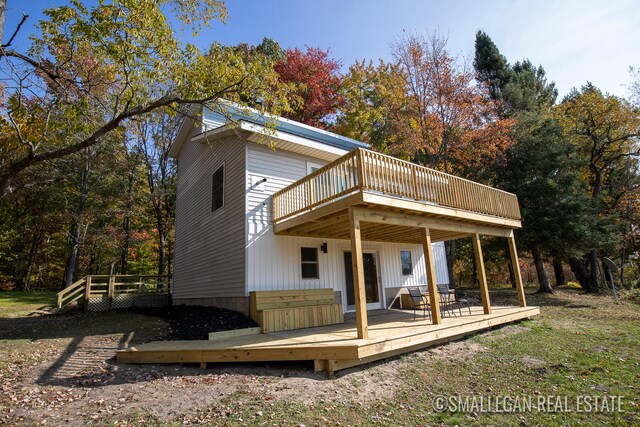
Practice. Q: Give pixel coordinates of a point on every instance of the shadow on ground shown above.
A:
(91, 340)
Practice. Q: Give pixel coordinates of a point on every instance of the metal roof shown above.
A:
(236, 113)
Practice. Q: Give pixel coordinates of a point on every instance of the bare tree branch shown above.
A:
(15, 33)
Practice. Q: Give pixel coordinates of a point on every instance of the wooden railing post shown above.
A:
(110, 290)
(361, 166)
(275, 212)
(87, 293)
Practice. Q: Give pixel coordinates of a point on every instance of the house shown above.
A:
(225, 245)
(285, 232)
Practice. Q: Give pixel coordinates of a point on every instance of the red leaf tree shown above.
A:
(318, 81)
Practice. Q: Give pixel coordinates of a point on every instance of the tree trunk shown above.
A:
(624, 255)
(169, 259)
(3, 8)
(592, 286)
(93, 260)
(450, 251)
(558, 271)
(580, 271)
(35, 245)
(543, 279)
(124, 255)
(474, 276)
(76, 228)
(512, 275)
(161, 252)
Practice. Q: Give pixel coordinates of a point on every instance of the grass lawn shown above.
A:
(16, 304)
(580, 345)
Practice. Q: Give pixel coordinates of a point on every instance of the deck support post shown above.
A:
(482, 275)
(516, 270)
(434, 302)
(357, 265)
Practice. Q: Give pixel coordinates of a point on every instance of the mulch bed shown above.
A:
(194, 322)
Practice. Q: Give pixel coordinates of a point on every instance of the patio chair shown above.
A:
(449, 301)
(419, 302)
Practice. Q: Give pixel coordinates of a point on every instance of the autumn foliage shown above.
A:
(450, 122)
(317, 77)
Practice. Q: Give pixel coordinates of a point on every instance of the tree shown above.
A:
(95, 68)
(373, 104)
(634, 88)
(527, 98)
(491, 66)
(543, 171)
(317, 79)
(605, 131)
(153, 139)
(450, 124)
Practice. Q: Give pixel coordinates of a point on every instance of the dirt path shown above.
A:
(84, 384)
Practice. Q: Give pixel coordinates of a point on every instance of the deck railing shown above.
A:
(367, 170)
(111, 286)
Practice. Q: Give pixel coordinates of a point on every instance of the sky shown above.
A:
(574, 40)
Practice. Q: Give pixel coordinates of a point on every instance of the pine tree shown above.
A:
(538, 167)
(491, 66)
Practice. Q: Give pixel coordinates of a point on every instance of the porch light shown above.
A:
(323, 248)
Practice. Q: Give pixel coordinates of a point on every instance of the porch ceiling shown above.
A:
(390, 219)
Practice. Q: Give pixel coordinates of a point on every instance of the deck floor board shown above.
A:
(333, 347)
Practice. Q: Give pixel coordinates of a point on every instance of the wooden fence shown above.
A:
(104, 292)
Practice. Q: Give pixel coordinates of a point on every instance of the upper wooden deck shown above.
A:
(395, 194)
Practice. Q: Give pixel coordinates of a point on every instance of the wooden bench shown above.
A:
(301, 308)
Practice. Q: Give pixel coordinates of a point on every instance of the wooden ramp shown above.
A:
(332, 348)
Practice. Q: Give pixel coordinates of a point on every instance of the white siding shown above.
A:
(209, 256)
(273, 262)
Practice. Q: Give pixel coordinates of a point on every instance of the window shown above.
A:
(407, 265)
(312, 167)
(217, 189)
(309, 257)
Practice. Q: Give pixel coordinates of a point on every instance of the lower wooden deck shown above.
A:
(332, 348)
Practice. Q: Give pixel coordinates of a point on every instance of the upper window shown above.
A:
(217, 189)
(312, 167)
(309, 257)
(407, 264)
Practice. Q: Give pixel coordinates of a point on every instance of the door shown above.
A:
(371, 282)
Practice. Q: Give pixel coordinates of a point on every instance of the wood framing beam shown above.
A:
(482, 275)
(444, 211)
(409, 220)
(516, 271)
(318, 212)
(380, 232)
(319, 225)
(443, 237)
(431, 277)
(357, 265)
